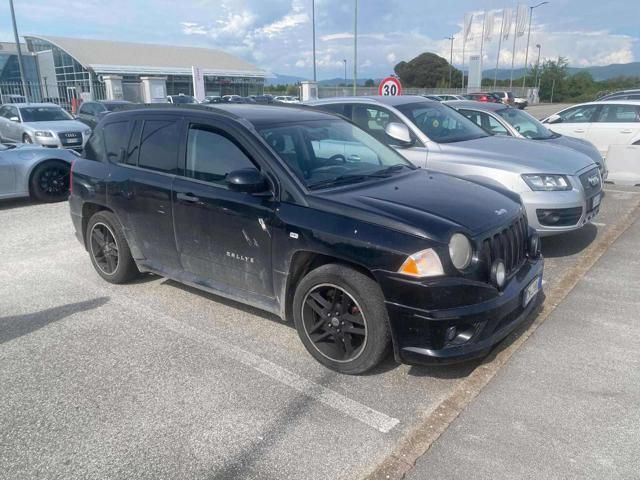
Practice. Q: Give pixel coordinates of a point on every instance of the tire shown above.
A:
(49, 181)
(114, 266)
(360, 308)
(26, 139)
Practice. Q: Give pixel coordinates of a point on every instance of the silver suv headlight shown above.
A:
(425, 263)
(460, 251)
(43, 133)
(547, 182)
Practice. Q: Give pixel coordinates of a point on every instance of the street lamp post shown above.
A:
(20, 62)
(355, 49)
(451, 38)
(313, 27)
(535, 83)
(526, 53)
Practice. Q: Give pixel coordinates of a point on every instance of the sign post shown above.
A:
(390, 87)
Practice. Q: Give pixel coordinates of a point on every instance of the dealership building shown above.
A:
(59, 68)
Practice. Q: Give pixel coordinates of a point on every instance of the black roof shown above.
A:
(254, 113)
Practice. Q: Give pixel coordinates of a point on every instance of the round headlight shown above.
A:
(498, 274)
(460, 251)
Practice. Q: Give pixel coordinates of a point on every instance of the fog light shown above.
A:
(451, 333)
(534, 245)
(498, 274)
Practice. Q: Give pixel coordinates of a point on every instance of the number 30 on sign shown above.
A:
(390, 87)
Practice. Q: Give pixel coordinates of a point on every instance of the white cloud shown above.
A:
(391, 57)
(287, 22)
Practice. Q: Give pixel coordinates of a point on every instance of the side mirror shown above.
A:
(248, 180)
(554, 119)
(400, 133)
(14, 119)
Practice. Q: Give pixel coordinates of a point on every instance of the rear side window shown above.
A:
(159, 146)
(333, 108)
(116, 136)
(211, 156)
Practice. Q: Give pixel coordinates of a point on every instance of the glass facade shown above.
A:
(10, 69)
(68, 71)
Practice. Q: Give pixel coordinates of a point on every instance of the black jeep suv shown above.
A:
(303, 214)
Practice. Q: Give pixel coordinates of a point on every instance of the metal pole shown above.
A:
(464, 44)
(355, 48)
(535, 83)
(495, 76)
(513, 53)
(20, 63)
(484, 23)
(313, 23)
(450, 59)
(526, 52)
(345, 72)
(553, 86)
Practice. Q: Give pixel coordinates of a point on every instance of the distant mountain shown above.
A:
(598, 73)
(292, 80)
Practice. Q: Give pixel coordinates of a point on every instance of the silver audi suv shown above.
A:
(560, 188)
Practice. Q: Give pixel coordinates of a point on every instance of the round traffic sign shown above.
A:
(390, 87)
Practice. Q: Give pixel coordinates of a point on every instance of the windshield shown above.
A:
(524, 123)
(328, 152)
(44, 114)
(441, 123)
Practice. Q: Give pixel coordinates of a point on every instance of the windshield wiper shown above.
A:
(344, 179)
(394, 168)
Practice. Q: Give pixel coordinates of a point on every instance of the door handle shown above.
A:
(355, 158)
(579, 130)
(187, 197)
(626, 130)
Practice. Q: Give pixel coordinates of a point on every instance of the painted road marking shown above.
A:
(356, 410)
(621, 191)
(599, 224)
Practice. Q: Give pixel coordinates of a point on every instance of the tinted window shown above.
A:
(334, 108)
(374, 120)
(619, 114)
(159, 145)
(116, 136)
(440, 123)
(94, 149)
(524, 123)
(581, 114)
(211, 156)
(86, 109)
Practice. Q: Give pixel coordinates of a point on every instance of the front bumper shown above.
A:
(579, 209)
(423, 313)
(55, 142)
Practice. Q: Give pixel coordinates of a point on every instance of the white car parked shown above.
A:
(285, 99)
(603, 123)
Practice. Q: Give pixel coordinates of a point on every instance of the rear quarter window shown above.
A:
(94, 149)
(159, 146)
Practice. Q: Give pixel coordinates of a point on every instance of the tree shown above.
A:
(370, 83)
(427, 70)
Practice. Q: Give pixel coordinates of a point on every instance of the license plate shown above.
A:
(596, 201)
(73, 140)
(531, 291)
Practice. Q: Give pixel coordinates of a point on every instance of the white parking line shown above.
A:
(356, 410)
(621, 191)
(353, 409)
(597, 224)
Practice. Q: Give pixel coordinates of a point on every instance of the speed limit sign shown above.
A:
(390, 87)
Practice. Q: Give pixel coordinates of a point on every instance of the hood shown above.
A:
(426, 204)
(517, 154)
(578, 144)
(57, 126)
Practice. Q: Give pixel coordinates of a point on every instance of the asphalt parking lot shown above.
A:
(157, 380)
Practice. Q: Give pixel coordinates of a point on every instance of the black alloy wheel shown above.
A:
(50, 181)
(334, 323)
(104, 248)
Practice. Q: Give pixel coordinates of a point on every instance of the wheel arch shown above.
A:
(304, 261)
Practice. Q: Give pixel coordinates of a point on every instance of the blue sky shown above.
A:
(276, 34)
